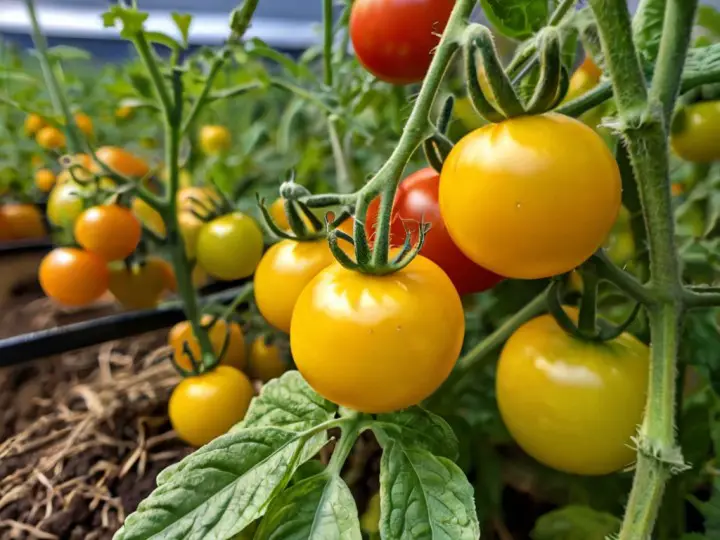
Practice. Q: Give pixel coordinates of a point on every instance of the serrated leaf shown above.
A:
(318, 508)
(67, 53)
(647, 27)
(575, 523)
(424, 497)
(419, 428)
(518, 19)
(220, 489)
(289, 403)
(182, 21)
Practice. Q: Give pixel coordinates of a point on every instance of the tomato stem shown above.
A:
(344, 446)
(643, 124)
(327, 42)
(588, 304)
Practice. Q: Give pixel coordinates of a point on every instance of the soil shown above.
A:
(82, 435)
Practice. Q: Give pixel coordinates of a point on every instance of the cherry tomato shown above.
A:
(197, 198)
(5, 233)
(377, 343)
(266, 361)
(85, 124)
(122, 161)
(110, 231)
(572, 405)
(284, 271)
(214, 139)
(190, 227)
(530, 197)
(234, 355)
(65, 204)
(206, 406)
(229, 247)
(73, 277)
(416, 201)
(82, 175)
(33, 124)
(149, 217)
(44, 180)
(124, 112)
(23, 220)
(141, 286)
(695, 132)
(586, 77)
(50, 138)
(394, 39)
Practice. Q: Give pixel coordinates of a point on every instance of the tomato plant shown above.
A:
(73, 277)
(230, 247)
(265, 360)
(140, 286)
(214, 139)
(44, 179)
(220, 333)
(111, 231)
(694, 130)
(23, 220)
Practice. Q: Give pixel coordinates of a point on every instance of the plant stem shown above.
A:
(327, 42)
(350, 433)
(242, 296)
(56, 95)
(343, 181)
(203, 97)
(642, 124)
(588, 304)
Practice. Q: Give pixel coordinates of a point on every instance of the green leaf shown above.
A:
(220, 489)
(708, 17)
(182, 21)
(702, 60)
(318, 508)
(518, 19)
(647, 27)
(130, 19)
(142, 85)
(67, 53)
(711, 511)
(700, 344)
(418, 428)
(18, 76)
(424, 497)
(575, 523)
(163, 39)
(288, 402)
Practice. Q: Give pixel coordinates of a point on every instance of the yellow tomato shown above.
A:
(229, 247)
(572, 405)
(83, 174)
(185, 179)
(696, 131)
(50, 138)
(284, 271)
(197, 198)
(377, 343)
(266, 361)
(204, 407)
(33, 124)
(44, 180)
(122, 161)
(190, 227)
(141, 286)
(530, 197)
(585, 78)
(234, 355)
(124, 112)
(214, 139)
(65, 204)
(149, 217)
(85, 124)
(23, 220)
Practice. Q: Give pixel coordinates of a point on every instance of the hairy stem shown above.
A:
(327, 42)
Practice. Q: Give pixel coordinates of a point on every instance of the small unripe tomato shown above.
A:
(23, 220)
(518, 202)
(84, 122)
(214, 139)
(695, 132)
(282, 274)
(65, 204)
(44, 180)
(50, 138)
(206, 406)
(266, 361)
(73, 277)
(33, 124)
(122, 161)
(230, 246)
(182, 333)
(377, 343)
(110, 231)
(573, 405)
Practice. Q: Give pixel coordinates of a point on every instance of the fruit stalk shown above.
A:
(642, 123)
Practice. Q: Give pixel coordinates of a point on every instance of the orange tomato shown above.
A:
(44, 180)
(110, 231)
(73, 277)
(50, 138)
(234, 354)
(23, 221)
(33, 124)
(84, 122)
(122, 161)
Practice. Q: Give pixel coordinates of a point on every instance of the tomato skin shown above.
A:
(64, 204)
(141, 286)
(517, 202)
(44, 180)
(214, 139)
(235, 355)
(586, 77)
(50, 138)
(394, 39)
(416, 200)
(149, 217)
(572, 405)
(205, 196)
(266, 361)
(206, 406)
(229, 247)
(695, 132)
(282, 274)
(190, 227)
(110, 231)
(377, 343)
(23, 220)
(33, 124)
(121, 161)
(84, 123)
(73, 277)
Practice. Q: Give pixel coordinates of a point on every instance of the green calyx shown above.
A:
(492, 91)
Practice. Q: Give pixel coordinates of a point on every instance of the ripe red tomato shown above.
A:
(416, 201)
(73, 277)
(394, 39)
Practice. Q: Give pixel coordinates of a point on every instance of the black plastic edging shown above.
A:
(12, 248)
